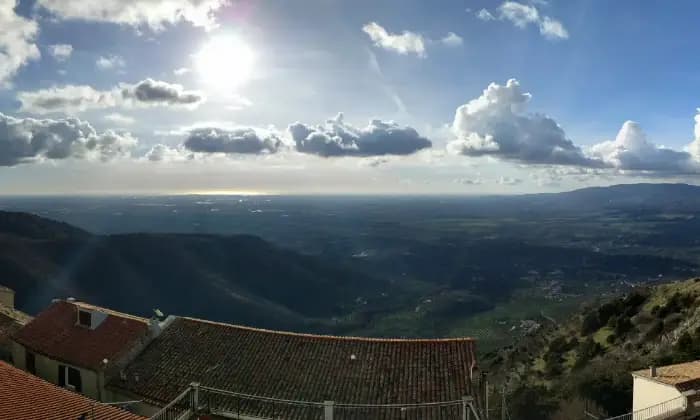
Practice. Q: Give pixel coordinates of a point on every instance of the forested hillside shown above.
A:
(240, 278)
(590, 357)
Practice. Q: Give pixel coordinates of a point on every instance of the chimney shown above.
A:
(7, 297)
(652, 371)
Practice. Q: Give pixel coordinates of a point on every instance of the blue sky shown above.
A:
(467, 97)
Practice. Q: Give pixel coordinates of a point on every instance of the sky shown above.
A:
(346, 97)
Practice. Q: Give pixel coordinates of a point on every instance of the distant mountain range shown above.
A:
(240, 279)
(623, 197)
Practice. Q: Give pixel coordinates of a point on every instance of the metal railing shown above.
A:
(664, 410)
(181, 408)
(198, 399)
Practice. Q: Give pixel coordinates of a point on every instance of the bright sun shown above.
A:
(225, 61)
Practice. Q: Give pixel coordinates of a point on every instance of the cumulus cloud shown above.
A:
(407, 42)
(452, 40)
(632, 151)
(523, 15)
(26, 140)
(694, 147)
(404, 43)
(337, 138)
(110, 62)
(60, 52)
(72, 98)
(157, 92)
(17, 45)
(497, 124)
(164, 153)
(155, 14)
(236, 141)
(519, 14)
(66, 99)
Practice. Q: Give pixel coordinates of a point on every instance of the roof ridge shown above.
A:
(332, 337)
(105, 310)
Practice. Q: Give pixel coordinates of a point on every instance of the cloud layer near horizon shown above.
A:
(26, 140)
(497, 123)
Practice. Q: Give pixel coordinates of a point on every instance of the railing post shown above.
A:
(195, 397)
(328, 410)
(466, 415)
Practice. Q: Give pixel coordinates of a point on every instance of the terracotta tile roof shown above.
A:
(299, 366)
(26, 397)
(683, 376)
(54, 333)
(11, 320)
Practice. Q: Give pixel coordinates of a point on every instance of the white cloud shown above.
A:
(694, 147)
(519, 14)
(510, 181)
(523, 15)
(60, 52)
(497, 124)
(405, 43)
(26, 140)
(182, 71)
(237, 141)
(155, 14)
(110, 62)
(337, 138)
(17, 45)
(632, 151)
(452, 40)
(485, 15)
(165, 153)
(66, 99)
(119, 119)
(72, 98)
(553, 29)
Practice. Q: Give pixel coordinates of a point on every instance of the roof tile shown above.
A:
(299, 366)
(54, 333)
(26, 397)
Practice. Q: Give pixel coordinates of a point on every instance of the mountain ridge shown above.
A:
(239, 278)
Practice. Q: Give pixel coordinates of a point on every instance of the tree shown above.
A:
(590, 323)
(587, 350)
(534, 402)
(609, 385)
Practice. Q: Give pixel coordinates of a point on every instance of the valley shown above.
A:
(492, 267)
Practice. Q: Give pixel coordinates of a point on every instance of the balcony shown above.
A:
(199, 401)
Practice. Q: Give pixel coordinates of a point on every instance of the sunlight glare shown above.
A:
(225, 61)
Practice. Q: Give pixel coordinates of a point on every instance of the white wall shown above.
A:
(648, 393)
(47, 369)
